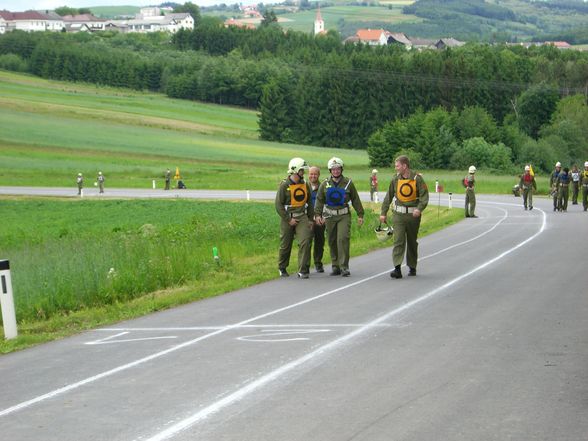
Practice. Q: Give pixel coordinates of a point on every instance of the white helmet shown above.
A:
(472, 169)
(99, 173)
(296, 164)
(527, 168)
(384, 232)
(374, 171)
(79, 174)
(558, 164)
(586, 164)
(335, 162)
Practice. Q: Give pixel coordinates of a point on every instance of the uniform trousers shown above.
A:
(304, 235)
(339, 233)
(470, 202)
(528, 197)
(406, 230)
(563, 195)
(318, 244)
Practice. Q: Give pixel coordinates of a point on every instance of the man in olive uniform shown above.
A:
(80, 182)
(584, 181)
(411, 196)
(553, 183)
(100, 179)
(332, 208)
(294, 207)
(563, 189)
(529, 186)
(470, 196)
(575, 173)
(167, 179)
(318, 242)
(374, 185)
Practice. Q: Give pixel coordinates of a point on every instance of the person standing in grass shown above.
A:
(411, 196)
(100, 180)
(318, 241)
(528, 184)
(80, 182)
(294, 206)
(332, 209)
(470, 197)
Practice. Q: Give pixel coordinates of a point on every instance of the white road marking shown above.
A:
(108, 373)
(263, 337)
(106, 341)
(208, 328)
(274, 375)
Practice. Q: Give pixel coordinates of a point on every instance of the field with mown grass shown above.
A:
(77, 264)
(52, 130)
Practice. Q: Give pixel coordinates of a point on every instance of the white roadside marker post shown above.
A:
(7, 301)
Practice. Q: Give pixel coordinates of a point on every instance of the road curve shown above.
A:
(488, 342)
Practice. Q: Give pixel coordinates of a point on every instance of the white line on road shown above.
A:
(274, 375)
(156, 355)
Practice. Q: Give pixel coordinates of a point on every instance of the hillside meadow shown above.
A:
(52, 130)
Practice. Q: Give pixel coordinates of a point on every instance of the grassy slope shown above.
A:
(50, 131)
(304, 21)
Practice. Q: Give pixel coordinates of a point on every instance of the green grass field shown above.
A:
(304, 21)
(77, 264)
(50, 131)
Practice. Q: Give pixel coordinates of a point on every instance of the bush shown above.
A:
(13, 62)
(478, 152)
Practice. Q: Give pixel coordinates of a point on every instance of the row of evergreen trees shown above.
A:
(310, 90)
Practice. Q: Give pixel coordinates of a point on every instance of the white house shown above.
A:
(29, 21)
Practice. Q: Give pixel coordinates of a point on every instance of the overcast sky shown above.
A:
(23, 5)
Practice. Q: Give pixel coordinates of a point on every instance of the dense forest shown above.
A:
(322, 92)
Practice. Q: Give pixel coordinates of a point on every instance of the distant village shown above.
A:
(162, 19)
(148, 20)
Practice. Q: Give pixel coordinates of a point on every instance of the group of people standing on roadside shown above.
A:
(308, 210)
(560, 182)
(99, 182)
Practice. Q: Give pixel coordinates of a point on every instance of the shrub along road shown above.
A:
(487, 342)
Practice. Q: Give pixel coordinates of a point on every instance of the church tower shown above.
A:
(319, 23)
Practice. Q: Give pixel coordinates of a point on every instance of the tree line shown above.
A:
(316, 90)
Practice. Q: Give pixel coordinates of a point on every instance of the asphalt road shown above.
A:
(488, 342)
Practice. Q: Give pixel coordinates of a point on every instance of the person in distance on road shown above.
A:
(584, 181)
(167, 178)
(332, 209)
(528, 184)
(80, 182)
(294, 206)
(563, 189)
(318, 240)
(470, 197)
(100, 179)
(374, 185)
(411, 196)
(553, 183)
(575, 174)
